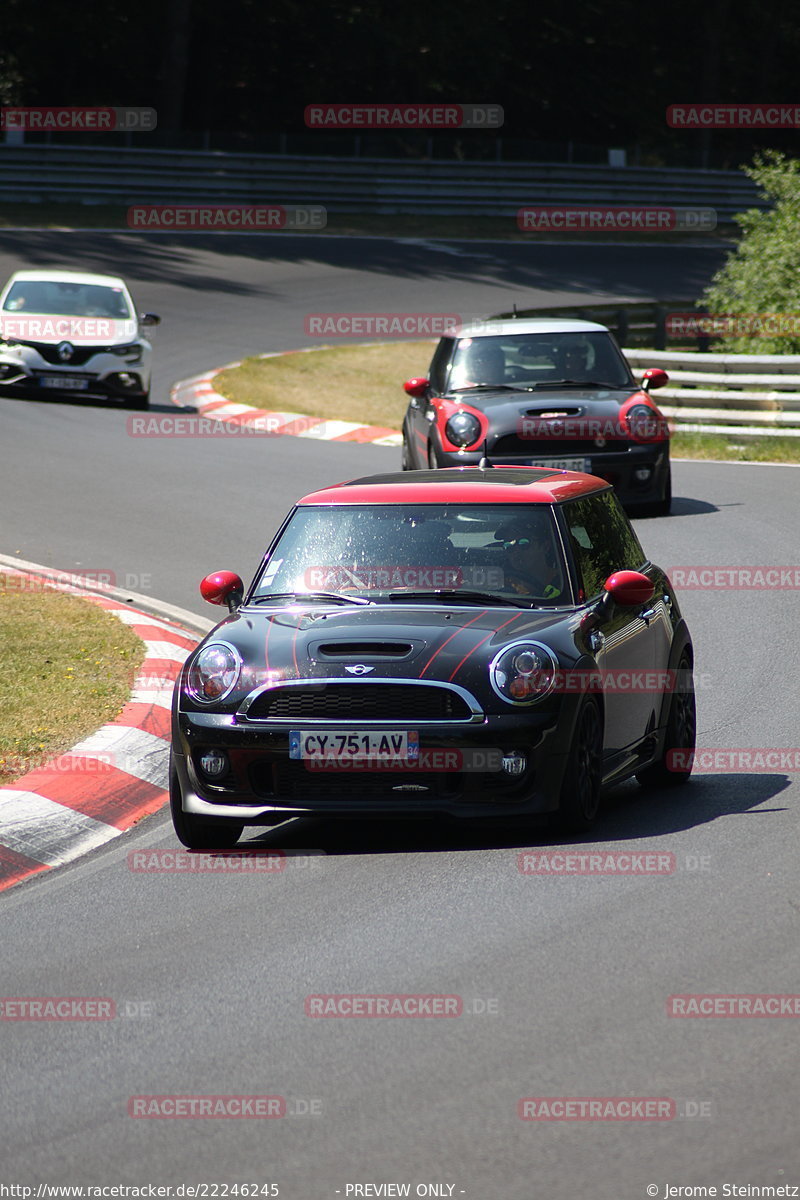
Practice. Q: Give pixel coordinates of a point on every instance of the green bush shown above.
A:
(762, 275)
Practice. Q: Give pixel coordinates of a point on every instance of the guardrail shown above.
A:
(712, 393)
(128, 175)
(750, 393)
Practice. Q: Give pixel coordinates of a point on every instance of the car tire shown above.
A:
(659, 508)
(680, 734)
(579, 802)
(405, 458)
(433, 462)
(193, 832)
(137, 403)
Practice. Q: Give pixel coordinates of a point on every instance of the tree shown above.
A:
(761, 277)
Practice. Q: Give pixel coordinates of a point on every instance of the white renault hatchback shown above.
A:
(70, 333)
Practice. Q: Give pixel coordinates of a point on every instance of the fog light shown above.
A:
(126, 380)
(514, 764)
(642, 474)
(214, 763)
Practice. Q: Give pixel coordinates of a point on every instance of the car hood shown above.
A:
(424, 641)
(502, 406)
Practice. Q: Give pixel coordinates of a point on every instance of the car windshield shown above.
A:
(528, 359)
(59, 297)
(512, 552)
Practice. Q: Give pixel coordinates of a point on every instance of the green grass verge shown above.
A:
(736, 447)
(68, 667)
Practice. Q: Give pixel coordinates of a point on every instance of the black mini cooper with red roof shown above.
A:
(473, 642)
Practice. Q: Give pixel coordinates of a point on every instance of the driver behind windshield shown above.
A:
(480, 361)
(531, 566)
(575, 361)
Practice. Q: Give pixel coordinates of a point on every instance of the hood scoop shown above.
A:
(553, 414)
(364, 650)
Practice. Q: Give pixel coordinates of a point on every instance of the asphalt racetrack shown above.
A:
(564, 980)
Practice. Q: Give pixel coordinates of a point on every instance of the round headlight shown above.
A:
(463, 428)
(645, 424)
(214, 673)
(523, 673)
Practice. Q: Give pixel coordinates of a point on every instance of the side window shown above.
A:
(438, 368)
(602, 540)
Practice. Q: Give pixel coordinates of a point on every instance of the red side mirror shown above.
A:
(416, 386)
(221, 587)
(654, 378)
(629, 588)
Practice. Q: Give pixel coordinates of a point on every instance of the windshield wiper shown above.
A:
(495, 387)
(454, 594)
(299, 597)
(603, 383)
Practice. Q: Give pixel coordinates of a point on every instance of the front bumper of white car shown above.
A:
(121, 372)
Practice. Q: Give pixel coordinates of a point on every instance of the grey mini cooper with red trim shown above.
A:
(472, 642)
(541, 392)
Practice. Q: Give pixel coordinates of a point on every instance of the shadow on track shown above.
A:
(629, 813)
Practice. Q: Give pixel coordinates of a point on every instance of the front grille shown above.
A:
(291, 781)
(80, 355)
(356, 703)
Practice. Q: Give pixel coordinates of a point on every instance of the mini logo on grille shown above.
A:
(65, 351)
(359, 669)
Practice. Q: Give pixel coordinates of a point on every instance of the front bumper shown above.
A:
(617, 467)
(264, 782)
(102, 376)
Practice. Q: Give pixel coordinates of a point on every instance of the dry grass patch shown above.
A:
(342, 383)
(68, 667)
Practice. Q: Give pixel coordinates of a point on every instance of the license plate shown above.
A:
(350, 745)
(563, 464)
(64, 381)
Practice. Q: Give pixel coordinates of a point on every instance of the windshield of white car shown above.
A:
(376, 552)
(58, 297)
